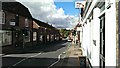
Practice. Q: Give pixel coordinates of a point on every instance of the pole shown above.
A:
(23, 41)
(79, 32)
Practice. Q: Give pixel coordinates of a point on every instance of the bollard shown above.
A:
(82, 61)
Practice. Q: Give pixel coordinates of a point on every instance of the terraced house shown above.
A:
(44, 33)
(21, 30)
(16, 25)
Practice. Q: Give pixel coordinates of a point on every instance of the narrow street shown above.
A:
(38, 57)
(60, 33)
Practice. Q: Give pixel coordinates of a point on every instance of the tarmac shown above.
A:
(73, 54)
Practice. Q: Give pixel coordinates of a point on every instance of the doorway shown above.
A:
(102, 41)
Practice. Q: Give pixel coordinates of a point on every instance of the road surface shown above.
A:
(48, 56)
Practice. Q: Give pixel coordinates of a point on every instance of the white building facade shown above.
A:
(99, 32)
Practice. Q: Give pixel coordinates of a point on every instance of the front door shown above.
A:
(102, 41)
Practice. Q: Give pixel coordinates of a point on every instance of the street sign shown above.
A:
(12, 22)
(79, 28)
(79, 5)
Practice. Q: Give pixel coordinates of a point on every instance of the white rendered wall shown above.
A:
(96, 37)
(88, 37)
(88, 40)
(110, 35)
(84, 45)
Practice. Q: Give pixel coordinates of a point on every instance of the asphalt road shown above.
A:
(48, 56)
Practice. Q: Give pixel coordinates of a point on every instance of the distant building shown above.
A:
(44, 33)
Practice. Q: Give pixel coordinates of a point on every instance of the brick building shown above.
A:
(45, 33)
(16, 25)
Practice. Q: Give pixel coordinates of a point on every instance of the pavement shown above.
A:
(74, 52)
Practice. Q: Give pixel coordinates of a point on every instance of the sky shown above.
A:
(59, 14)
(68, 7)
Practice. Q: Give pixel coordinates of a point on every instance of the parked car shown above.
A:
(69, 40)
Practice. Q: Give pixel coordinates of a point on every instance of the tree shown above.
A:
(64, 32)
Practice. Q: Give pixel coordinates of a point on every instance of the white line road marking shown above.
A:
(19, 62)
(56, 61)
(59, 57)
(26, 59)
(1, 54)
(35, 55)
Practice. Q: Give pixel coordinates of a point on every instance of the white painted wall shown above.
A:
(96, 37)
(84, 45)
(110, 35)
(92, 32)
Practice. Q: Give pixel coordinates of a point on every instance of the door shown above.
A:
(102, 41)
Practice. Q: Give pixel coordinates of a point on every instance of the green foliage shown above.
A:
(64, 32)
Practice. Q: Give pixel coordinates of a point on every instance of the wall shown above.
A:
(91, 35)
(110, 35)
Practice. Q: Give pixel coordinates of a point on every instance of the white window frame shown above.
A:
(41, 38)
(2, 17)
(6, 37)
(26, 22)
(27, 38)
(34, 36)
(48, 38)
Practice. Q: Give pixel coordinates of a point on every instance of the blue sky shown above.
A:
(68, 7)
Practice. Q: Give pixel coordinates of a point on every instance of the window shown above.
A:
(17, 19)
(5, 37)
(41, 38)
(48, 37)
(101, 5)
(102, 8)
(34, 36)
(52, 37)
(2, 17)
(27, 37)
(26, 23)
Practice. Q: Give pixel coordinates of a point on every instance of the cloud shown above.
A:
(46, 11)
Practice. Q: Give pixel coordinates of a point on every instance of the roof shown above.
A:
(40, 23)
(17, 8)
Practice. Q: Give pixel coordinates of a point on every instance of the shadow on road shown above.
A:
(40, 63)
(35, 49)
(35, 62)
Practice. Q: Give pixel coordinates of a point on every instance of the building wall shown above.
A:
(118, 51)
(110, 35)
(96, 36)
(16, 30)
(91, 34)
(21, 21)
(8, 17)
